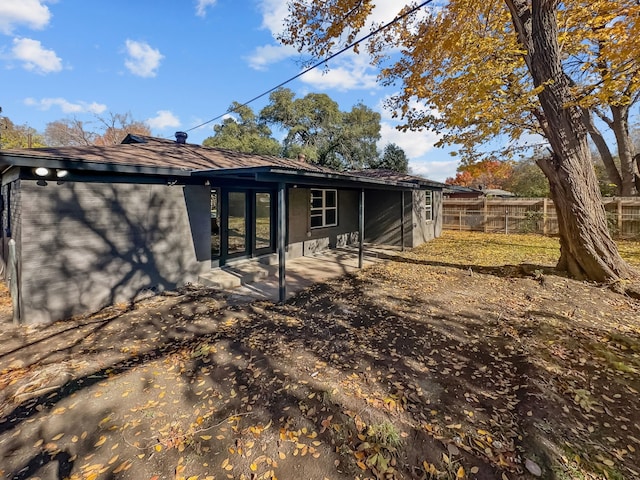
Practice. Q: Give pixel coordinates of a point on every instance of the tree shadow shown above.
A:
(111, 243)
(340, 349)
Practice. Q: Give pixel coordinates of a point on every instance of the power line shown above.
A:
(316, 65)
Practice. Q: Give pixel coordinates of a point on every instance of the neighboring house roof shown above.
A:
(453, 189)
(155, 156)
(385, 174)
(497, 192)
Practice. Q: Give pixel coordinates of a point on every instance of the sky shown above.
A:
(175, 65)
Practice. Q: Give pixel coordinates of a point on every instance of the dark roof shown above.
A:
(392, 175)
(461, 189)
(144, 155)
(159, 153)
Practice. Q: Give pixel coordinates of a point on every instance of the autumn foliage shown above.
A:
(483, 174)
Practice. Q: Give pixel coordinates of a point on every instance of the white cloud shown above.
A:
(201, 7)
(163, 119)
(414, 144)
(31, 13)
(340, 78)
(274, 13)
(437, 170)
(266, 55)
(35, 57)
(143, 60)
(65, 105)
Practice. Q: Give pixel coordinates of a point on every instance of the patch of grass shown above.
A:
(491, 249)
(385, 434)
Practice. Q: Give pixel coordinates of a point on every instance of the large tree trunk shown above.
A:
(603, 150)
(587, 249)
(628, 167)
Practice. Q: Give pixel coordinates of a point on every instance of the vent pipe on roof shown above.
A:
(302, 157)
(181, 137)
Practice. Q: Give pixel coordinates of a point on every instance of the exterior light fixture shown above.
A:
(41, 171)
(62, 173)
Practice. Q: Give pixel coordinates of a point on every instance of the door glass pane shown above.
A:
(237, 232)
(263, 220)
(215, 223)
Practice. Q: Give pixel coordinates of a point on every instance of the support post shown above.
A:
(281, 237)
(620, 217)
(545, 206)
(485, 211)
(402, 229)
(361, 231)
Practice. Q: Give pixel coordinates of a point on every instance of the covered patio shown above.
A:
(251, 280)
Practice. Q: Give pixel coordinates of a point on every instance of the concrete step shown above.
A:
(234, 276)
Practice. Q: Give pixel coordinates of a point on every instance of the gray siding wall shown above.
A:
(89, 245)
(10, 220)
(303, 240)
(424, 230)
(383, 217)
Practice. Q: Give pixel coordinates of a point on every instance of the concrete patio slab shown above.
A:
(251, 280)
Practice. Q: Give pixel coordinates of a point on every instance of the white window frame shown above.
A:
(323, 209)
(428, 205)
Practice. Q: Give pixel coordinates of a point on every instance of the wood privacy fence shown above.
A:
(533, 215)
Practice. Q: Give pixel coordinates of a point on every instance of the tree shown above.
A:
(111, 130)
(527, 180)
(116, 126)
(244, 132)
(317, 128)
(487, 173)
(497, 68)
(393, 158)
(68, 132)
(18, 136)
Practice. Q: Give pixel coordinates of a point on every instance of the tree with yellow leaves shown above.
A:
(505, 67)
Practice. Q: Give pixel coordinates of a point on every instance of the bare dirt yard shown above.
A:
(468, 357)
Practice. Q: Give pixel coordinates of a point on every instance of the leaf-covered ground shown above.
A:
(465, 358)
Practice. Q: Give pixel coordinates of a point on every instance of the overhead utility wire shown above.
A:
(316, 65)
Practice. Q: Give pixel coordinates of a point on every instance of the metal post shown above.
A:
(282, 229)
(402, 207)
(361, 231)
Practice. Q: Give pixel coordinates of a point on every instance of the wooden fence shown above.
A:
(533, 215)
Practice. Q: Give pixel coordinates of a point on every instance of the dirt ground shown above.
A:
(468, 357)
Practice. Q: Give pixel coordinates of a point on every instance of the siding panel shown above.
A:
(88, 245)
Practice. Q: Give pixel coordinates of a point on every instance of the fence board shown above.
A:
(533, 215)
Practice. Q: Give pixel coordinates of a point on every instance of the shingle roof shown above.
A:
(154, 152)
(392, 175)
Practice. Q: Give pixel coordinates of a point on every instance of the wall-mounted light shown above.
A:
(62, 173)
(41, 171)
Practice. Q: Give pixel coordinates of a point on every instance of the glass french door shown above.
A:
(237, 231)
(248, 224)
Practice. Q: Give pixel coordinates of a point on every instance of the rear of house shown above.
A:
(87, 227)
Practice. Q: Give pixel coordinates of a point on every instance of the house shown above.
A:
(457, 191)
(86, 227)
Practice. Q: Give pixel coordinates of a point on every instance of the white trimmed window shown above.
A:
(428, 205)
(324, 208)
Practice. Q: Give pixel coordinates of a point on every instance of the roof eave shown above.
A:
(31, 161)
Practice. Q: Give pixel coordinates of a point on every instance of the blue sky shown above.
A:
(174, 65)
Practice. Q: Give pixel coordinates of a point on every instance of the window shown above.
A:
(324, 208)
(428, 205)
